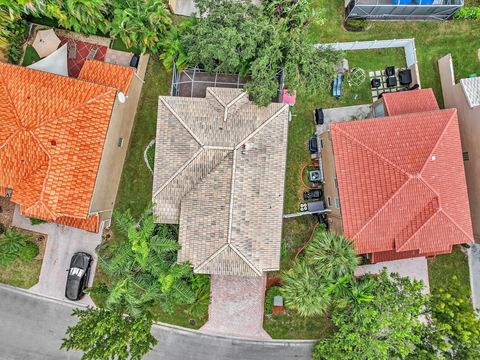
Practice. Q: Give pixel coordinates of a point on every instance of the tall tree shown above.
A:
(259, 41)
(453, 330)
(324, 275)
(86, 16)
(387, 327)
(109, 335)
(144, 268)
(141, 23)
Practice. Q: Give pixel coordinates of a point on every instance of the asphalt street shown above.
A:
(32, 326)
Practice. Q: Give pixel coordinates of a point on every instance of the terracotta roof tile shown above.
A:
(407, 102)
(51, 140)
(402, 183)
(107, 74)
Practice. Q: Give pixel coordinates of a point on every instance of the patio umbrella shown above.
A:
(46, 42)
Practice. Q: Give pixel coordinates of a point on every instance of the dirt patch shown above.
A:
(7, 209)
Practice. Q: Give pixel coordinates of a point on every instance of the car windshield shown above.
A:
(74, 271)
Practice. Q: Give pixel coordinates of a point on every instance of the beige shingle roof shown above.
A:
(471, 88)
(219, 173)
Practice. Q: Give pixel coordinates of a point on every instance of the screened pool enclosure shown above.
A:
(401, 9)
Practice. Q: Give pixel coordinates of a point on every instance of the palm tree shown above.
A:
(323, 277)
(141, 23)
(305, 291)
(332, 255)
(86, 16)
(144, 268)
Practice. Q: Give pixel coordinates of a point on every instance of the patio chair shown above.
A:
(72, 49)
(337, 86)
(405, 77)
(92, 53)
(390, 71)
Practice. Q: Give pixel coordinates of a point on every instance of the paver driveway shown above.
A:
(236, 307)
(62, 243)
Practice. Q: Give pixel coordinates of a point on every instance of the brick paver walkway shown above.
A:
(236, 307)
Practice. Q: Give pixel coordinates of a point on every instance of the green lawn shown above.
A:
(443, 267)
(289, 325)
(432, 39)
(31, 56)
(21, 273)
(135, 191)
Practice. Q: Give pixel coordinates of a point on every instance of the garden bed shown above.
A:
(21, 273)
(135, 191)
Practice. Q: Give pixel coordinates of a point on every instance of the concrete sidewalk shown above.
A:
(474, 267)
(62, 243)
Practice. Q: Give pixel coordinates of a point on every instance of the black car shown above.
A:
(78, 275)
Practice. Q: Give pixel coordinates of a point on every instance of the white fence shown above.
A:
(407, 44)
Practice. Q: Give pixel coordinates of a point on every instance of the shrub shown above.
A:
(16, 33)
(2, 229)
(271, 293)
(472, 12)
(356, 25)
(29, 251)
(34, 221)
(14, 245)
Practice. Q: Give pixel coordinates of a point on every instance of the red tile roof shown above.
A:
(51, 140)
(107, 74)
(407, 102)
(402, 183)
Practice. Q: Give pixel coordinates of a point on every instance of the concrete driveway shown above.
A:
(414, 268)
(62, 243)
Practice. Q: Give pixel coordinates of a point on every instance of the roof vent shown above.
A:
(433, 157)
(53, 142)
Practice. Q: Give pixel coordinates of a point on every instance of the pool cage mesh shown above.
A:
(193, 82)
(402, 9)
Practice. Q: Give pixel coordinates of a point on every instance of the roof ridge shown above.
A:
(374, 152)
(174, 113)
(453, 113)
(213, 256)
(416, 232)
(17, 118)
(236, 251)
(454, 222)
(74, 108)
(265, 123)
(382, 207)
(179, 170)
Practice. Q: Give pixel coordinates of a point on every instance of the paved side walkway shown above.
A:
(62, 243)
(474, 265)
(236, 307)
(414, 268)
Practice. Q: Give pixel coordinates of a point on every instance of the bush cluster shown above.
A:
(356, 25)
(15, 245)
(468, 12)
(17, 33)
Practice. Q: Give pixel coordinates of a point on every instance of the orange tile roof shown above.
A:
(51, 140)
(402, 183)
(107, 74)
(408, 102)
